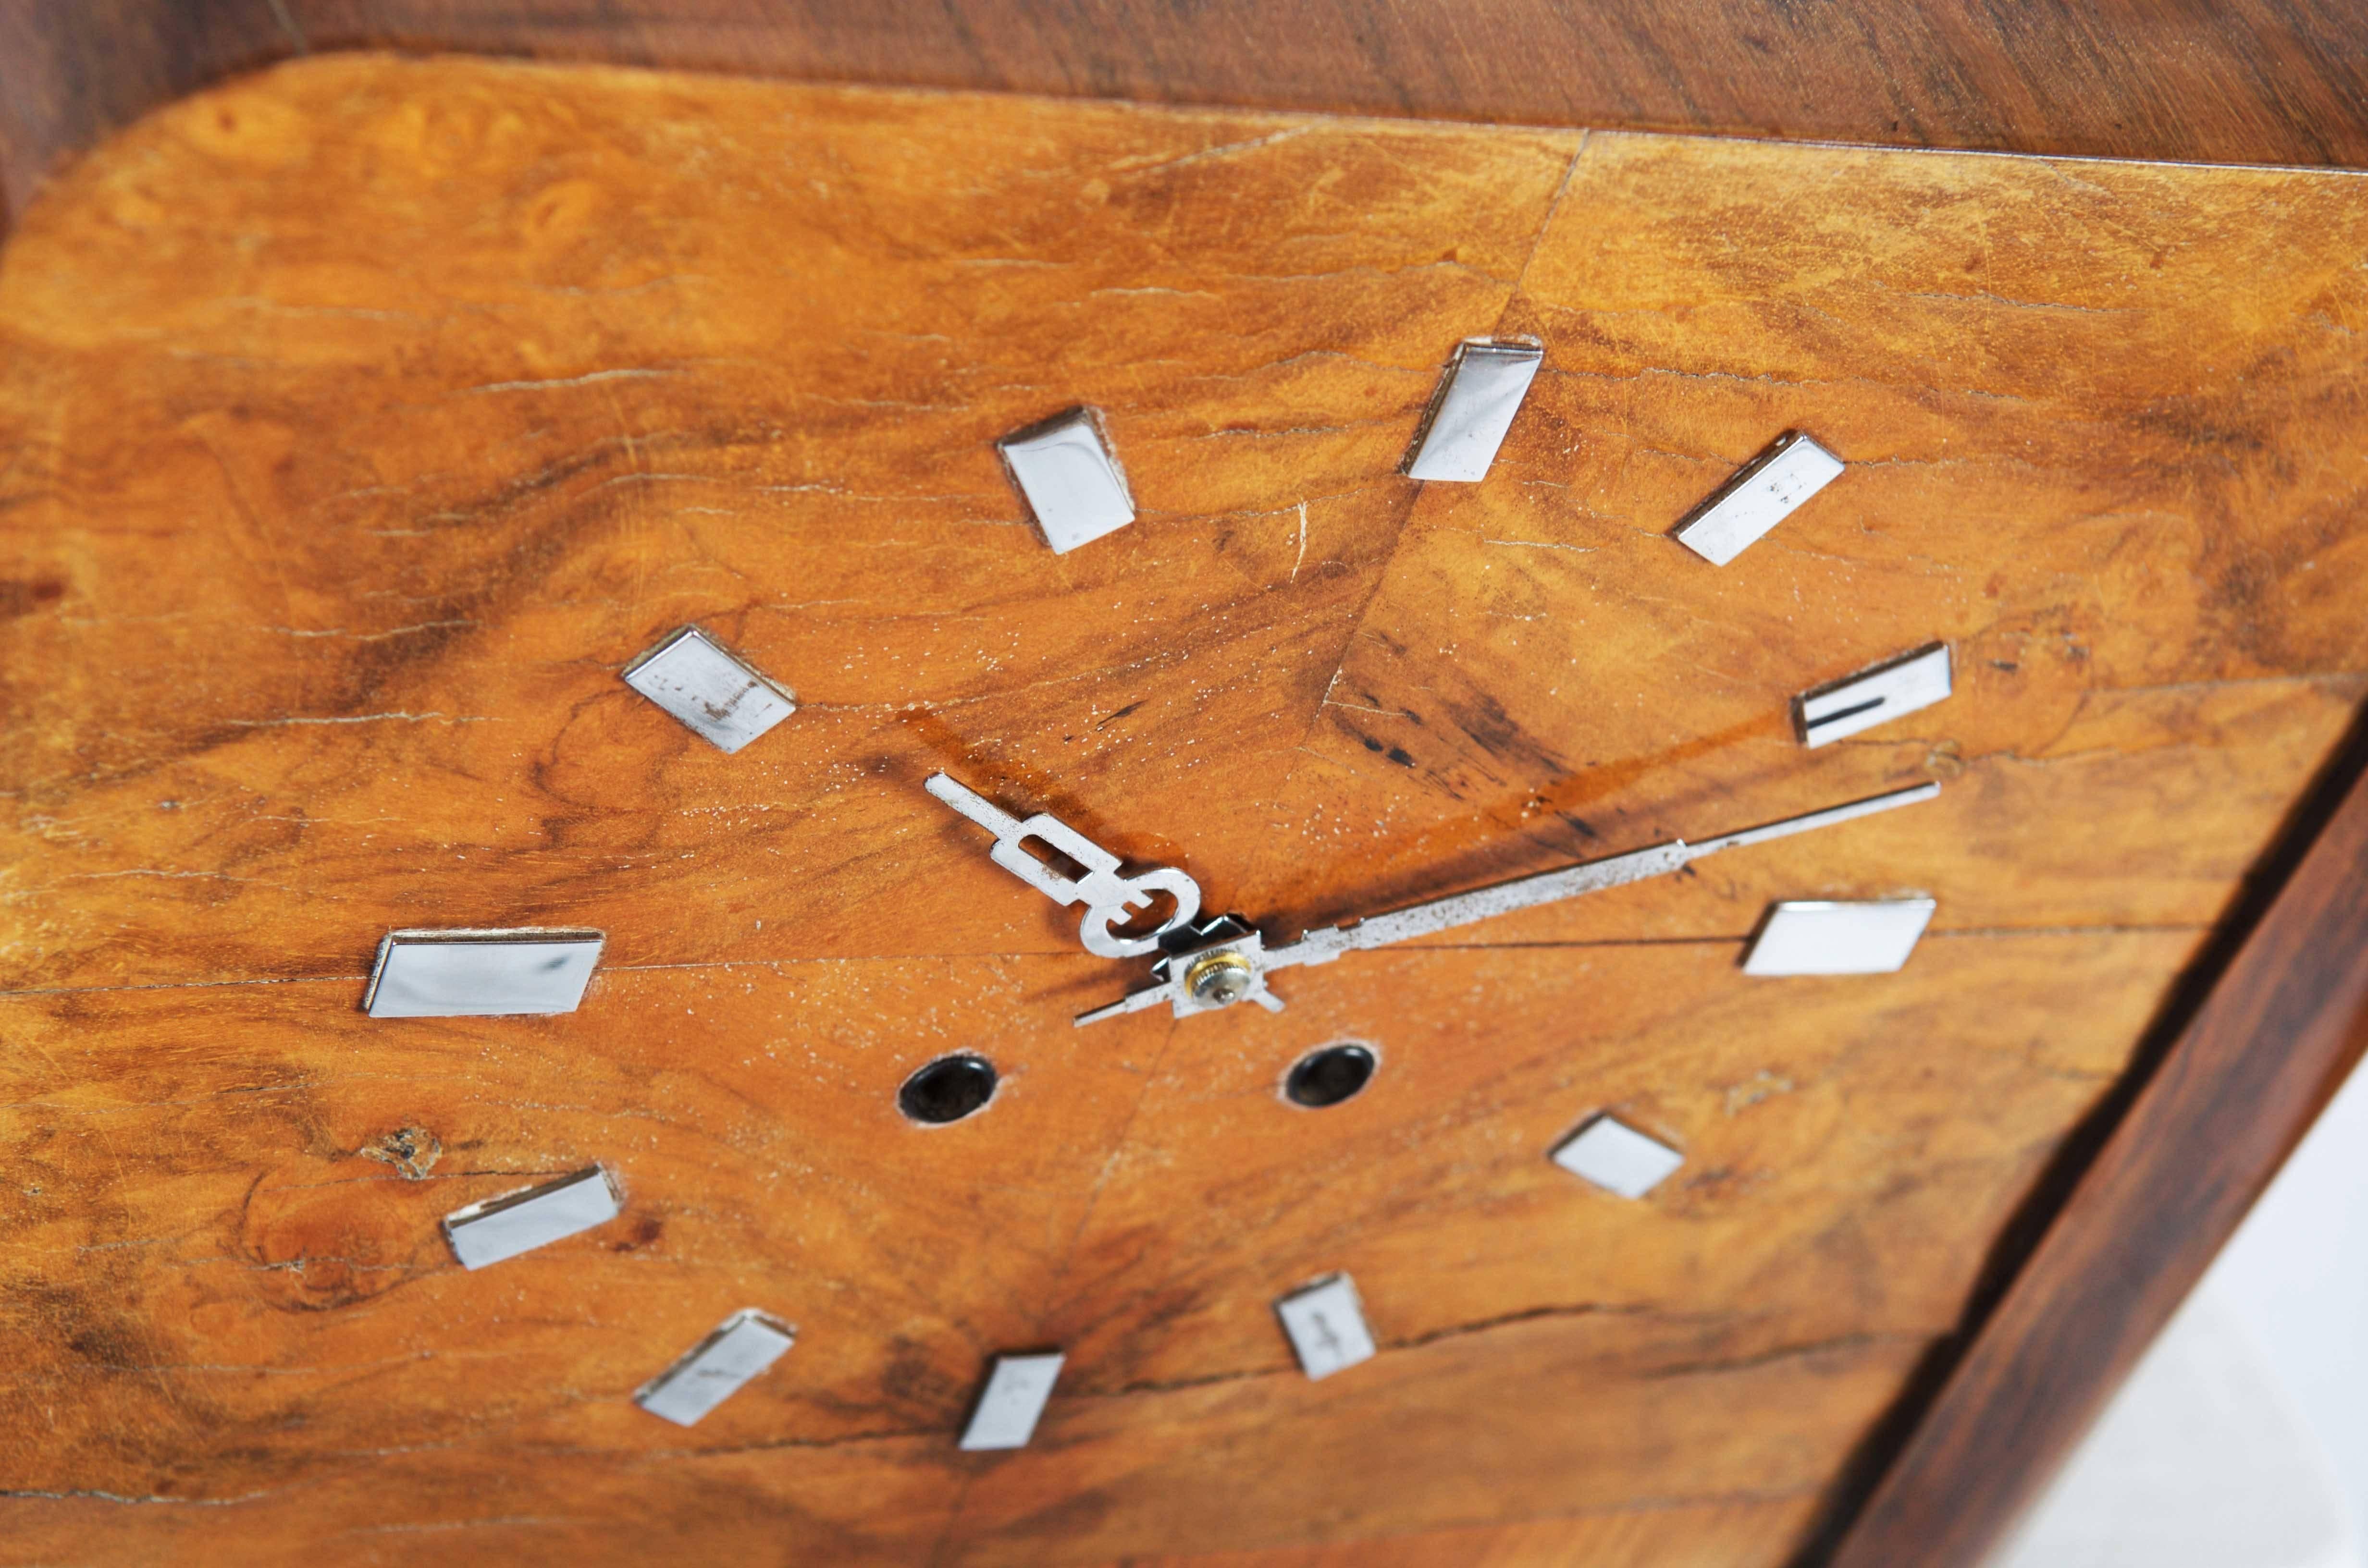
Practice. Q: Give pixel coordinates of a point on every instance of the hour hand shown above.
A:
(1109, 899)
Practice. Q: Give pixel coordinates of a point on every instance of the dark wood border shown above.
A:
(2271, 1020)
(2217, 80)
(2256, 1040)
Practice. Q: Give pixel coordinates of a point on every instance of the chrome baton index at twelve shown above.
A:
(1226, 960)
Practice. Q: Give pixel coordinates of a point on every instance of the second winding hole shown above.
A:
(1326, 1078)
(948, 1089)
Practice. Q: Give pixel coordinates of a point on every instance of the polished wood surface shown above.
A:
(236, 1291)
(2278, 1032)
(2253, 81)
(365, 418)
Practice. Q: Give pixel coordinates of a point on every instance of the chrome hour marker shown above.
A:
(1889, 690)
(470, 973)
(520, 1222)
(716, 1368)
(1109, 899)
(1014, 1395)
(1757, 499)
(1871, 937)
(1617, 1158)
(1326, 1326)
(715, 694)
(1072, 483)
(1473, 409)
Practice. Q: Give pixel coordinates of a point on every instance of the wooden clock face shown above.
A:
(365, 419)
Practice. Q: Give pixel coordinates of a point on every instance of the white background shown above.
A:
(2241, 1441)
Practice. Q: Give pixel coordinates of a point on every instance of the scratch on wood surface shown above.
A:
(1543, 544)
(1132, 166)
(1722, 1366)
(362, 719)
(87, 1494)
(589, 377)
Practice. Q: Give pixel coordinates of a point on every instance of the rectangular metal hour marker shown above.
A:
(1016, 1392)
(1473, 409)
(1326, 1326)
(1877, 696)
(715, 1369)
(715, 694)
(520, 1222)
(1617, 1158)
(471, 973)
(1807, 937)
(1065, 473)
(1758, 499)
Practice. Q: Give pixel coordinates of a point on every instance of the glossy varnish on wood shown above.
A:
(2281, 1028)
(362, 420)
(2241, 81)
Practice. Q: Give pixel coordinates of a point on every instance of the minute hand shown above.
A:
(1232, 966)
(1552, 887)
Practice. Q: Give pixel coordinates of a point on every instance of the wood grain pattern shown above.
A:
(658, 430)
(2257, 81)
(1643, 1540)
(228, 1282)
(362, 419)
(2279, 1031)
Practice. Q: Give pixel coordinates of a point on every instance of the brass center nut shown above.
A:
(1217, 979)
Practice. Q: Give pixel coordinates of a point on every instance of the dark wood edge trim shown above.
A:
(2256, 1039)
(2273, 81)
